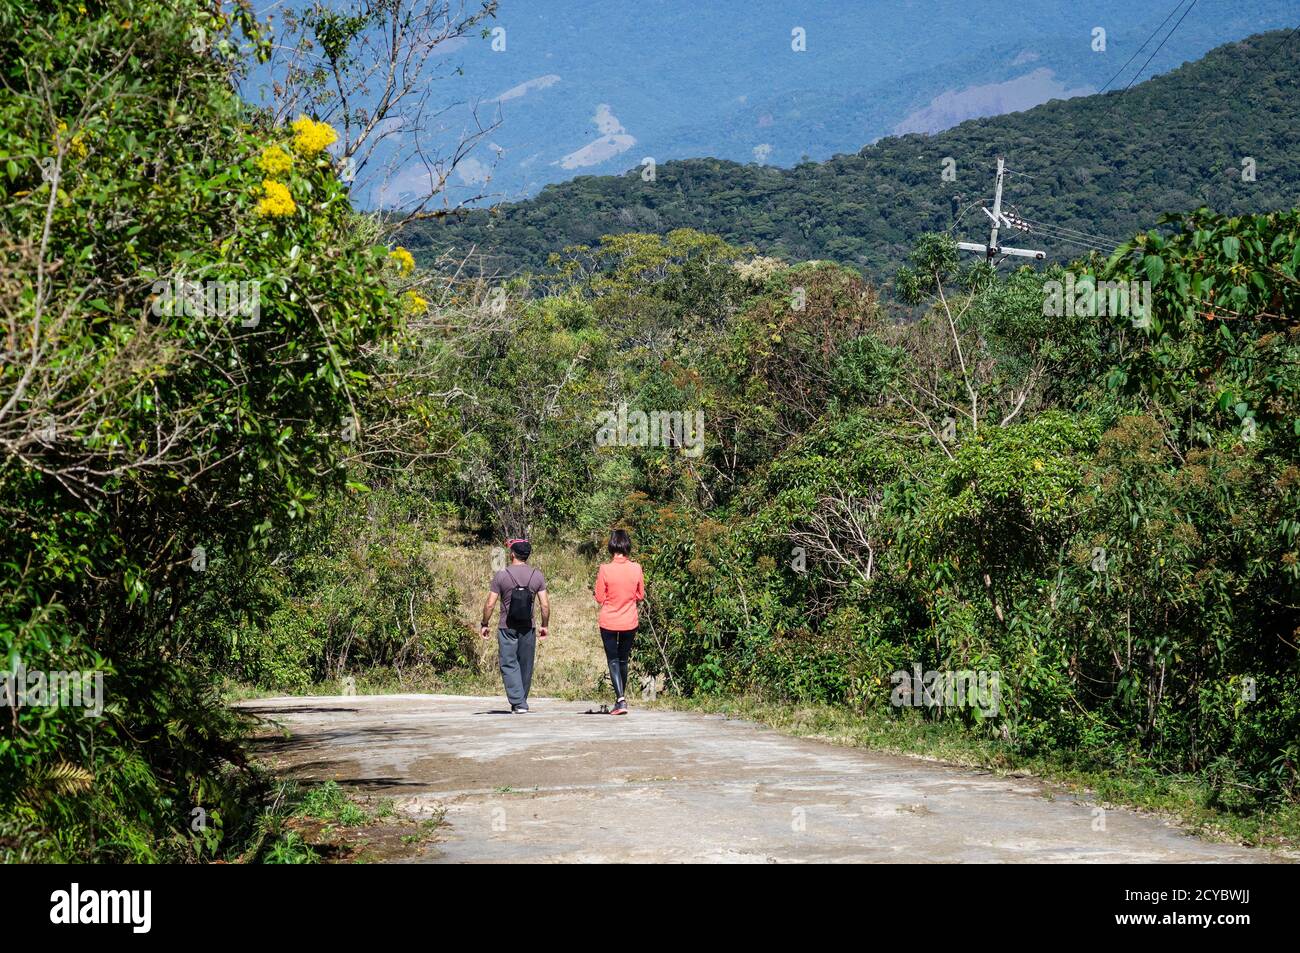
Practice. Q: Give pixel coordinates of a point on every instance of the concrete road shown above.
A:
(559, 785)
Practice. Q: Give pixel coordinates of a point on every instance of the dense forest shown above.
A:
(1099, 504)
(1092, 170)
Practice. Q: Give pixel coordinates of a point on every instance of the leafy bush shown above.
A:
(354, 589)
(148, 435)
(1106, 518)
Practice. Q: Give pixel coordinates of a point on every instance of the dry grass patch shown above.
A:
(571, 662)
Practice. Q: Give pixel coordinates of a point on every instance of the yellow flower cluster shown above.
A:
(310, 137)
(277, 201)
(77, 144)
(405, 260)
(414, 303)
(275, 161)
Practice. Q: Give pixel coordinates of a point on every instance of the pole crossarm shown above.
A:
(998, 221)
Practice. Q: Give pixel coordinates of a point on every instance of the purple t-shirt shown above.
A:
(506, 579)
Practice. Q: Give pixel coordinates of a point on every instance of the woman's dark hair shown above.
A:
(620, 542)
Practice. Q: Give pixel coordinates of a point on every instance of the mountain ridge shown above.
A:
(1167, 144)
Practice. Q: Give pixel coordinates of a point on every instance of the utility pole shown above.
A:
(992, 249)
(997, 208)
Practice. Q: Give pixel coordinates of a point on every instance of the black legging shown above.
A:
(618, 649)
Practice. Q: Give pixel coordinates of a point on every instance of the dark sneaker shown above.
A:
(620, 708)
(518, 709)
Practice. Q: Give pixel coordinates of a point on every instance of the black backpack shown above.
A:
(519, 611)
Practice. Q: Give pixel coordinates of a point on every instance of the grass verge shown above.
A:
(324, 824)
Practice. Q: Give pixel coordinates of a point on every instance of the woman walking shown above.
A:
(619, 587)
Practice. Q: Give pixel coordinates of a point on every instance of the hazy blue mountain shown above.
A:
(594, 86)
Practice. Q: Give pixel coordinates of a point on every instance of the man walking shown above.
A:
(515, 587)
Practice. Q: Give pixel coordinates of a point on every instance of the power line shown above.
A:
(1099, 240)
(1220, 96)
(1139, 50)
(961, 215)
(1091, 240)
(1016, 214)
(1115, 100)
(1160, 47)
(1061, 233)
(1049, 233)
(1076, 242)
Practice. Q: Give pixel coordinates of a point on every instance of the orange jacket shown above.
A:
(619, 587)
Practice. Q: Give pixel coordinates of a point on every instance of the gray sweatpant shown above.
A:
(518, 649)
